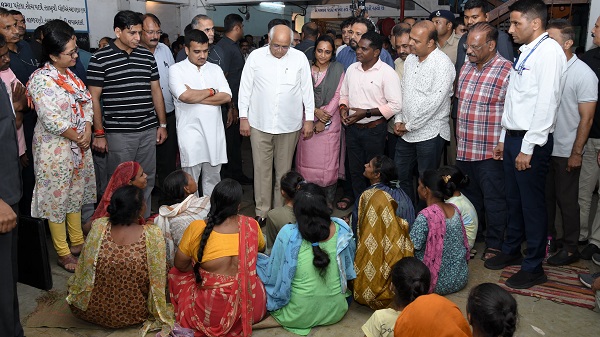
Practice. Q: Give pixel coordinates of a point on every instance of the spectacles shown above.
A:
(72, 53)
(278, 47)
(475, 48)
(153, 32)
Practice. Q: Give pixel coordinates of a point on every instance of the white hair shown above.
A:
(272, 31)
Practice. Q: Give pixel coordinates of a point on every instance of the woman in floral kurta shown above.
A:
(63, 165)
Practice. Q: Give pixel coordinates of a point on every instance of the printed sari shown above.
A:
(382, 240)
(223, 305)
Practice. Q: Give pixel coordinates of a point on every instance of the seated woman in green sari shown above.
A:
(311, 262)
(121, 276)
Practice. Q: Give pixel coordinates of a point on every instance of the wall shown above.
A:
(257, 25)
(594, 13)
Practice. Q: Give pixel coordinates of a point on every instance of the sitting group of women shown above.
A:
(220, 284)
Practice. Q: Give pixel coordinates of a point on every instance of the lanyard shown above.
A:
(522, 66)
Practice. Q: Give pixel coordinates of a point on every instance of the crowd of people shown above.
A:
(86, 138)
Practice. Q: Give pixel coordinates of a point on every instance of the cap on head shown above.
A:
(442, 13)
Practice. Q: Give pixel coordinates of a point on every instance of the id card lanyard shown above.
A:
(521, 67)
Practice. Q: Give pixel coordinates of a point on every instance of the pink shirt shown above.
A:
(378, 87)
(8, 77)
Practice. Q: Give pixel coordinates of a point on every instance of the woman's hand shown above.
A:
(84, 139)
(319, 127)
(322, 115)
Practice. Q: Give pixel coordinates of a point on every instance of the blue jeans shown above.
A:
(486, 193)
(361, 146)
(526, 203)
(425, 155)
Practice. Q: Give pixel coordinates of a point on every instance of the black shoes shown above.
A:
(524, 280)
(563, 258)
(502, 260)
(588, 251)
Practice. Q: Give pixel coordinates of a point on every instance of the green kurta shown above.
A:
(315, 300)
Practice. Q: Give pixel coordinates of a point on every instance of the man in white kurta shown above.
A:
(199, 88)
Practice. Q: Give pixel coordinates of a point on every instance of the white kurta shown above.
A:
(200, 130)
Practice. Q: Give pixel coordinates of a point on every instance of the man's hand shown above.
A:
(236, 115)
(161, 135)
(308, 129)
(100, 145)
(8, 218)
(18, 96)
(498, 151)
(356, 116)
(400, 129)
(574, 162)
(24, 160)
(344, 114)
(322, 115)
(244, 127)
(522, 161)
(229, 118)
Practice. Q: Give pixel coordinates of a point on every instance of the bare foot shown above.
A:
(68, 263)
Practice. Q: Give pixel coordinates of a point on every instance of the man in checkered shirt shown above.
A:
(481, 89)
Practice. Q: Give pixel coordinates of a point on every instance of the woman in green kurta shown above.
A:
(306, 275)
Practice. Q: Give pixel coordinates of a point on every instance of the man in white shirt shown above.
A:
(526, 142)
(423, 123)
(199, 88)
(573, 122)
(275, 101)
(166, 153)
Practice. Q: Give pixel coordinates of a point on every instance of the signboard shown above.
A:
(38, 12)
(343, 11)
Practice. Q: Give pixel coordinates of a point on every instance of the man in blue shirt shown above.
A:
(347, 56)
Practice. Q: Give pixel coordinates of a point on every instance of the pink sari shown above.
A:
(223, 305)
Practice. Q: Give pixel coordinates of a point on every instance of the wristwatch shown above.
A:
(163, 126)
(368, 113)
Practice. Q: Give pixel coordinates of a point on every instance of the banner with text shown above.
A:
(343, 11)
(36, 13)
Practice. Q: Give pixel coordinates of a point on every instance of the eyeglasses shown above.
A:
(475, 48)
(72, 53)
(153, 32)
(278, 47)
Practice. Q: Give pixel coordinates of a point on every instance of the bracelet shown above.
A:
(100, 136)
(211, 92)
(99, 132)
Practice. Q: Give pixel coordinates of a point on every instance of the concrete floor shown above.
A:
(537, 317)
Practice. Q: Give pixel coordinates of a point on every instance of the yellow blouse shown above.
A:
(218, 244)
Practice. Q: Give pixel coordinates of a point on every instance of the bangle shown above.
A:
(99, 132)
(163, 125)
(343, 106)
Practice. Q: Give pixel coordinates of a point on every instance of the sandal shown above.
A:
(488, 253)
(347, 202)
(76, 250)
(67, 262)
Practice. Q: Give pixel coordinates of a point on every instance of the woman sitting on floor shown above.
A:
(492, 311)
(213, 286)
(127, 173)
(438, 235)
(382, 216)
(121, 277)
(281, 216)
(179, 188)
(410, 279)
(311, 262)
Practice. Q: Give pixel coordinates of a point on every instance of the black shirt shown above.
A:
(592, 59)
(232, 64)
(23, 63)
(10, 173)
(308, 48)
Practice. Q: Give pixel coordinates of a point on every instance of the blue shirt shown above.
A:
(347, 56)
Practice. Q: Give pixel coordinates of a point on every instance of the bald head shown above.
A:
(423, 38)
(280, 39)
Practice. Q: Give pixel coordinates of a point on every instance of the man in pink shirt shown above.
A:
(16, 91)
(370, 95)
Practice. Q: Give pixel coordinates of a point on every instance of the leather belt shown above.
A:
(370, 125)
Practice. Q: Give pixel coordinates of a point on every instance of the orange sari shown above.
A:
(223, 305)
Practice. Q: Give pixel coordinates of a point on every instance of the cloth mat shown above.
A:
(563, 286)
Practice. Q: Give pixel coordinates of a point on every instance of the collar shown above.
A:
(451, 40)
(375, 67)
(225, 38)
(571, 61)
(189, 64)
(485, 65)
(532, 44)
(116, 49)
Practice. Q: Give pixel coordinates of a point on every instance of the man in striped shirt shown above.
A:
(127, 100)
(481, 88)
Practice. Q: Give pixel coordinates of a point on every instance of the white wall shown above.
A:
(257, 25)
(594, 13)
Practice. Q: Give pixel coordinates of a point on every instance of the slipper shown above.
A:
(76, 250)
(347, 203)
(472, 253)
(488, 253)
(68, 263)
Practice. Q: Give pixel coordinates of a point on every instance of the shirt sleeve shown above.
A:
(176, 84)
(371, 326)
(587, 87)
(393, 95)
(53, 109)
(308, 96)
(246, 84)
(95, 73)
(344, 91)
(442, 88)
(190, 236)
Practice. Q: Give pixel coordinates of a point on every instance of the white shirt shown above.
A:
(533, 95)
(426, 90)
(276, 95)
(164, 59)
(200, 131)
(580, 85)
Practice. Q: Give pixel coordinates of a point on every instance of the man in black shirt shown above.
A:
(310, 33)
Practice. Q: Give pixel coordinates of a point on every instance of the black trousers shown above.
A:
(166, 153)
(233, 168)
(10, 323)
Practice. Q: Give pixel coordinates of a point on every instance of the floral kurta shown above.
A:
(59, 187)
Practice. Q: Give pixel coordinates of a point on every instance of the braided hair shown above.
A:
(492, 311)
(313, 216)
(224, 203)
